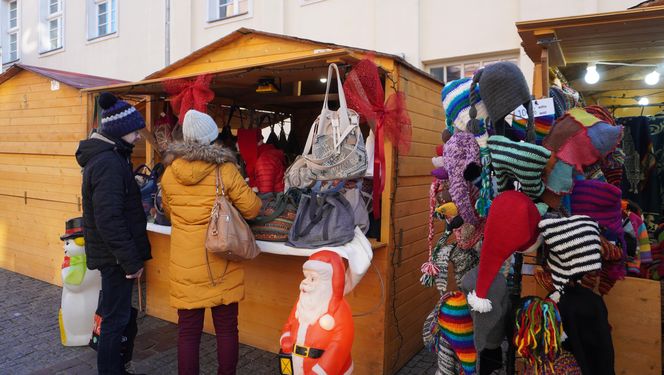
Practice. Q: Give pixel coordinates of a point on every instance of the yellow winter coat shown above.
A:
(188, 189)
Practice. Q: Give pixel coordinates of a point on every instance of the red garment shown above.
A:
(270, 168)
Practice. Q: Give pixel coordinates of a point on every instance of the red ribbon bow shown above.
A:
(189, 94)
(365, 94)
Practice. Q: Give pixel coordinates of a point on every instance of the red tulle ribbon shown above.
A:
(365, 94)
(189, 94)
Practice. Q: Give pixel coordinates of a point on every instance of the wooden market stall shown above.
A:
(389, 303)
(43, 115)
(634, 36)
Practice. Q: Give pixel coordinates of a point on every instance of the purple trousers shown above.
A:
(190, 328)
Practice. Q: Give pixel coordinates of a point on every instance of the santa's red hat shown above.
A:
(325, 261)
(511, 226)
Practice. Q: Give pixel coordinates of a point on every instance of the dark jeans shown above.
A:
(115, 310)
(190, 327)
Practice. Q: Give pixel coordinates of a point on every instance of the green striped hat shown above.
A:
(520, 161)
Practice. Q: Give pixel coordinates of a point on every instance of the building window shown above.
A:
(102, 18)
(223, 9)
(11, 26)
(457, 69)
(52, 25)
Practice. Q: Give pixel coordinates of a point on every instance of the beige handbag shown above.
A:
(228, 234)
(335, 147)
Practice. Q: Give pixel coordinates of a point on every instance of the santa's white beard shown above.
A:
(313, 303)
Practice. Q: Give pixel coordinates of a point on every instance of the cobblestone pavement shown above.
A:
(30, 340)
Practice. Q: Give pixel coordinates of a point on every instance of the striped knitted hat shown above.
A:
(524, 162)
(118, 118)
(456, 102)
(574, 247)
(456, 326)
(602, 202)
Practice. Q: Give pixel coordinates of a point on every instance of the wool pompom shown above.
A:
(106, 100)
(478, 304)
(326, 322)
(437, 162)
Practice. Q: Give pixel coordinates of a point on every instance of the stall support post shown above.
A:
(515, 298)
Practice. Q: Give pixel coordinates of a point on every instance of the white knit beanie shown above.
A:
(199, 127)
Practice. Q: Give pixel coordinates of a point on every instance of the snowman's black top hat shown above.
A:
(73, 228)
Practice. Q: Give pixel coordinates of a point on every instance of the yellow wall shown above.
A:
(39, 133)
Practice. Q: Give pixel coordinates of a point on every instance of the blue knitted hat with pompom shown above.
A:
(118, 118)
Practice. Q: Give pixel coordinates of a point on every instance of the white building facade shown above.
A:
(129, 39)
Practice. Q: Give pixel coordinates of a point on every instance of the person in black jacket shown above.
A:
(114, 223)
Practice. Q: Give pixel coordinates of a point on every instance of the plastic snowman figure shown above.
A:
(80, 288)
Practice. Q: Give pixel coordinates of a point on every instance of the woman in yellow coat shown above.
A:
(188, 188)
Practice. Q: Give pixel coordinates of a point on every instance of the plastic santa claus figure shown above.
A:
(319, 332)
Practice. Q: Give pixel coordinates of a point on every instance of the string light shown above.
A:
(644, 101)
(652, 78)
(592, 76)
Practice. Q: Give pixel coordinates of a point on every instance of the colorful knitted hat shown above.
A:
(504, 234)
(118, 118)
(605, 137)
(570, 141)
(524, 162)
(456, 326)
(456, 102)
(574, 247)
(448, 364)
(489, 327)
(538, 332)
(602, 202)
(462, 162)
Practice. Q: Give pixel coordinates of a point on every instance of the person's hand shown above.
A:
(135, 275)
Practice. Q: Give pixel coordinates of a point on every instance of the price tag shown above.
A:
(541, 107)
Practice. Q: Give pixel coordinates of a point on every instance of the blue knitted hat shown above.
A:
(456, 102)
(118, 118)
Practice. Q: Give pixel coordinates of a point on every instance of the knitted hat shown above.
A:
(456, 102)
(503, 88)
(118, 118)
(448, 364)
(524, 162)
(463, 261)
(456, 326)
(489, 327)
(504, 233)
(570, 141)
(198, 127)
(605, 137)
(462, 162)
(601, 201)
(574, 247)
(326, 259)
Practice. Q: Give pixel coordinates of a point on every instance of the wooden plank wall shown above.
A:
(411, 301)
(39, 133)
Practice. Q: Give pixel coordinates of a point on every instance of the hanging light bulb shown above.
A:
(323, 80)
(592, 76)
(652, 78)
(644, 101)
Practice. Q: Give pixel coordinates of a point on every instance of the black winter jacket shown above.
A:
(113, 218)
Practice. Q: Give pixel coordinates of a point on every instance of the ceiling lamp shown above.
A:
(592, 76)
(266, 86)
(644, 101)
(652, 78)
(323, 80)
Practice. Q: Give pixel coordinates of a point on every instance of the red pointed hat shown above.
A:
(325, 259)
(511, 226)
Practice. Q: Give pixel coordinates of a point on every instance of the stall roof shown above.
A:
(316, 57)
(76, 80)
(615, 36)
(633, 36)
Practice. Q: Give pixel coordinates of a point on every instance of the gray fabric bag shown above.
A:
(322, 220)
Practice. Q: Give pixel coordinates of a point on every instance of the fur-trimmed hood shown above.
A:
(192, 162)
(189, 151)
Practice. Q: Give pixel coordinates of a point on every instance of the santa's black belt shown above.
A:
(305, 351)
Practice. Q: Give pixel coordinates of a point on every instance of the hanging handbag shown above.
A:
(324, 219)
(228, 234)
(275, 219)
(335, 145)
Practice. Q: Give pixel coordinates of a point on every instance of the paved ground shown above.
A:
(30, 340)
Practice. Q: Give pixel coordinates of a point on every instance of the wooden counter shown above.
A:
(272, 286)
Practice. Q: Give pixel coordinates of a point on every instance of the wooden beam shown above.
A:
(604, 85)
(618, 72)
(270, 99)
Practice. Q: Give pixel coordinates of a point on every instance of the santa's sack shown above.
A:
(323, 219)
